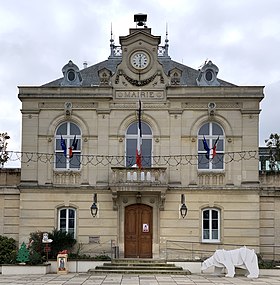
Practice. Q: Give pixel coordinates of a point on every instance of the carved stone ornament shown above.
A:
(136, 82)
(104, 76)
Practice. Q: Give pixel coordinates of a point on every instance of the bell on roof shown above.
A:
(140, 19)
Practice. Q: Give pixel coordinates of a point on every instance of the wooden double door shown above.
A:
(138, 231)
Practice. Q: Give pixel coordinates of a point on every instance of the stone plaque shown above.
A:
(149, 95)
(94, 239)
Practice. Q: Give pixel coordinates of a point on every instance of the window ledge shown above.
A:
(67, 177)
(211, 241)
(211, 178)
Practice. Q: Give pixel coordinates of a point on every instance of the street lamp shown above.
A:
(94, 208)
(183, 209)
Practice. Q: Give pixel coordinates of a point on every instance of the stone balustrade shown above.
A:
(128, 175)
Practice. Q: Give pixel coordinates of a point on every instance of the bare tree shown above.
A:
(3, 148)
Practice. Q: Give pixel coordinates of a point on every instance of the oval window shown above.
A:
(71, 75)
(209, 75)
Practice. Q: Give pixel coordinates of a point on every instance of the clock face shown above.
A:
(140, 60)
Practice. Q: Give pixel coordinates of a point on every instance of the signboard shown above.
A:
(145, 228)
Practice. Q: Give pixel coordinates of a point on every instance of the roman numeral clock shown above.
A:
(140, 60)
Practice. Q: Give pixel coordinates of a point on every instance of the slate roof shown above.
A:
(90, 74)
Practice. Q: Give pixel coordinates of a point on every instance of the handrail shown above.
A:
(191, 250)
(106, 247)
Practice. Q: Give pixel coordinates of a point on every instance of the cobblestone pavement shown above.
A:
(120, 279)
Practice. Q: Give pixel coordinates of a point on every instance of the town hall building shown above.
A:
(197, 185)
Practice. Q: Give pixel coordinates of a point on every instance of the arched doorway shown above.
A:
(138, 231)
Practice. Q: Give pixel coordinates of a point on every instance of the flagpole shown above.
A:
(139, 135)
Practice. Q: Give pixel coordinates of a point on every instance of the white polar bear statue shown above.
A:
(242, 257)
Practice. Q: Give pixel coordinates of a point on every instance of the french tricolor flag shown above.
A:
(210, 152)
(70, 149)
(139, 139)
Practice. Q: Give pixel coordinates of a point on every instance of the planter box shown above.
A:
(81, 266)
(16, 269)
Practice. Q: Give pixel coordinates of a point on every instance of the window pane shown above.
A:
(146, 130)
(75, 161)
(206, 224)
(215, 234)
(204, 130)
(218, 161)
(216, 129)
(58, 144)
(71, 224)
(146, 152)
(203, 162)
(206, 214)
(131, 152)
(214, 224)
(63, 213)
(220, 145)
(62, 224)
(201, 145)
(60, 160)
(74, 129)
(71, 214)
(133, 129)
(78, 145)
(206, 234)
(62, 129)
(214, 214)
(71, 231)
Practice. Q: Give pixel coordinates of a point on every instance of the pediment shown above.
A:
(140, 35)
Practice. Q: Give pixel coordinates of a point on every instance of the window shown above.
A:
(131, 145)
(68, 146)
(211, 147)
(71, 75)
(209, 75)
(211, 225)
(67, 220)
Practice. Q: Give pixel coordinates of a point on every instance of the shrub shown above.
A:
(8, 250)
(61, 241)
(266, 264)
(35, 258)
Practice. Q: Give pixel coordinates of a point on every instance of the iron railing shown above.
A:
(192, 251)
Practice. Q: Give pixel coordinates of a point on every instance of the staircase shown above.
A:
(139, 266)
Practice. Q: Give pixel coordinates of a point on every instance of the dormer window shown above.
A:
(207, 75)
(71, 75)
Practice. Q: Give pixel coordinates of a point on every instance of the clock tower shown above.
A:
(139, 66)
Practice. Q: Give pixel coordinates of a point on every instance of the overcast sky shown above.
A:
(38, 37)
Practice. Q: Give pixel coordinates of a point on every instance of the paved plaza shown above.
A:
(120, 279)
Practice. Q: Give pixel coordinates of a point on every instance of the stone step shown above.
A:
(138, 260)
(136, 271)
(139, 266)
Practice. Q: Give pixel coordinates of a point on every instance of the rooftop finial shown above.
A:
(112, 45)
(166, 41)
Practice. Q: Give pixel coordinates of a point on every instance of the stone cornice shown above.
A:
(65, 92)
(215, 92)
